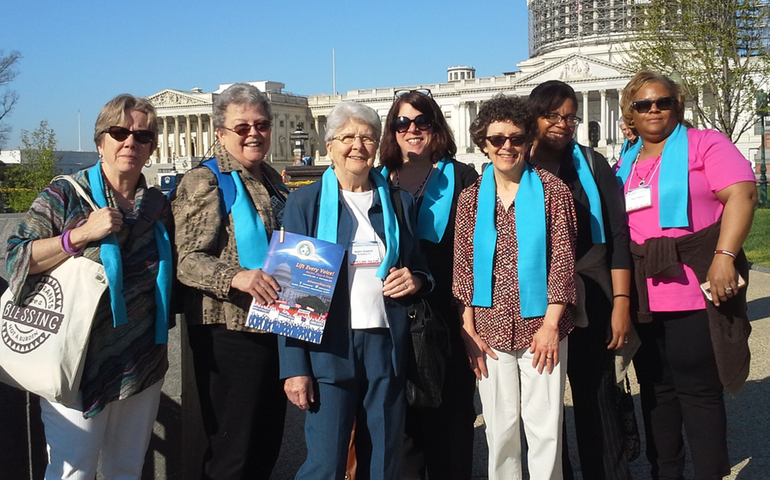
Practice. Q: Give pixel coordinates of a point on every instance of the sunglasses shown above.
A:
(423, 91)
(554, 119)
(422, 122)
(243, 129)
(498, 141)
(122, 133)
(663, 103)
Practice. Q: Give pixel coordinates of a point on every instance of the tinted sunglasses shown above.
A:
(122, 133)
(423, 91)
(663, 103)
(243, 129)
(422, 122)
(498, 141)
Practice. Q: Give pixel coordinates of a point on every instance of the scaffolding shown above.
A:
(555, 24)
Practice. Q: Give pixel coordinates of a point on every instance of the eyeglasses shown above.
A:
(122, 133)
(351, 139)
(663, 103)
(243, 129)
(423, 91)
(422, 122)
(498, 141)
(554, 119)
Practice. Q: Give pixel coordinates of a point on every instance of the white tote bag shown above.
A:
(43, 342)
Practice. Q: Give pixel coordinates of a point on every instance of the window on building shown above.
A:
(280, 124)
(291, 124)
(447, 114)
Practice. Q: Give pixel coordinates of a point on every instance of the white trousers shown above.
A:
(118, 436)
(515, 392)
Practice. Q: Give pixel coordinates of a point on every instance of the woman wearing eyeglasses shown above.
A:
(111, 421)
(513, 279)
(603, 262)
(417, 154)
(222, 240)
(690, 198)
(357, 372)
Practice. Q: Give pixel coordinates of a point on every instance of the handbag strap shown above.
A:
(398, 209)
(78, 188)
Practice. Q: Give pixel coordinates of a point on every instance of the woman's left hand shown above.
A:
(400, 283)
(545, 347)
(621, 323)
(722, 278)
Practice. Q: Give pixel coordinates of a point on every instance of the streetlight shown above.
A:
(762, 113)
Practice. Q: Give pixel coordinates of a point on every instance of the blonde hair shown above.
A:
(114, 113)
(645, 78)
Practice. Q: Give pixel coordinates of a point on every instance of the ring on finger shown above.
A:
(728, 289)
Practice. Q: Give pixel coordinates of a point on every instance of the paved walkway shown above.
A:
(748, 413)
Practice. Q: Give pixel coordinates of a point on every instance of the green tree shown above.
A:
(716, 49)
(23, 182)
(8, 98)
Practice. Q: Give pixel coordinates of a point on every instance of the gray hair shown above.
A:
(240, 94)
(621, 122)
(344, 112)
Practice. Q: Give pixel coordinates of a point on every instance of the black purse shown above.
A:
(625, 408)
(430, 343)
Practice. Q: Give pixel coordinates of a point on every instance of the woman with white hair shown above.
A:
(358, 369)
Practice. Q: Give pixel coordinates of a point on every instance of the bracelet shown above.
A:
(67, 246)
(621, 295)
(725, 252)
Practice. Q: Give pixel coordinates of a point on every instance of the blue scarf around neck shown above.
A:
(113, 265)
(328, 216)
(673, 179)
(437, 201)
(588, 181)
(530, 237)
(250, 232)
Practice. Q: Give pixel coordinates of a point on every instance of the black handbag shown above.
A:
(625, 408)
(430, 342)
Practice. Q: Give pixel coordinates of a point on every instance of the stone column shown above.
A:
(187, 136)
(583, 130)
(164, 154)
(199, 137)
(618, 134)
(462, 120)
(176, 136)
(604, 125)
(212, 134)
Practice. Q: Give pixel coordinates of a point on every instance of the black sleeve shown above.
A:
(615, 218)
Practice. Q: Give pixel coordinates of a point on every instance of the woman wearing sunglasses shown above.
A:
(690, 198)
(358, 370)
(513, 277)
(222, 240)
(603, 262)
(111, 421)
(417, 155)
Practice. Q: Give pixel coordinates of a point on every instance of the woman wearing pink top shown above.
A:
(690, 198)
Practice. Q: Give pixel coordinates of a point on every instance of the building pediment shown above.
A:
(176, 98)
(576, 68)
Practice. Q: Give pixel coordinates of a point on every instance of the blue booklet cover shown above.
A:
(306, 268)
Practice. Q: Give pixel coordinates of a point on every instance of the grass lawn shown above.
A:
(757, 246)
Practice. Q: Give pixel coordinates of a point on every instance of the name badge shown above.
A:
(638, 198)
(363, 254)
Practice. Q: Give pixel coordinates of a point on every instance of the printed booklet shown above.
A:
(306, 268)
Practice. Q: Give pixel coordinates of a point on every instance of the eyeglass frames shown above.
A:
(243, 129)
(351, 139)
(554, 119)
(663, 103)
(122, 133)
(422, 122)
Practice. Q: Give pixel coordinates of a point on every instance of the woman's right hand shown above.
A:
(476, 348)
(100, 223)
(260, 285)
(299, 391)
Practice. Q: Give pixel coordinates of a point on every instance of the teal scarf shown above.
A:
(328, 216)
(673, 184)
(530, 237)
(250, 233)
(113, 265)
(586, 178)
(436, 203)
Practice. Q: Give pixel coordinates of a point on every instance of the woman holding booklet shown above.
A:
(358, 369)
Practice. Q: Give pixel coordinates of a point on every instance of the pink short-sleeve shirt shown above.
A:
(714, 164)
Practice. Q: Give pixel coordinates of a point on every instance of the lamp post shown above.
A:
(762, 113)
(298, 137)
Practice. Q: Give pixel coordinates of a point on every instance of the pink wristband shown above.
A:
(67, 246)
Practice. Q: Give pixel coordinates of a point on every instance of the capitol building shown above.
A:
(580, 42)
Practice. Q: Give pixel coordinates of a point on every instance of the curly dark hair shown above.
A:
(503, 109)
(442, 142)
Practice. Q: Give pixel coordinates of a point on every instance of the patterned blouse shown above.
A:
(123, 361)
(208, 256)
(501, 325)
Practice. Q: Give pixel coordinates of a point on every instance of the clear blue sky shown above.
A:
(78, 54)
